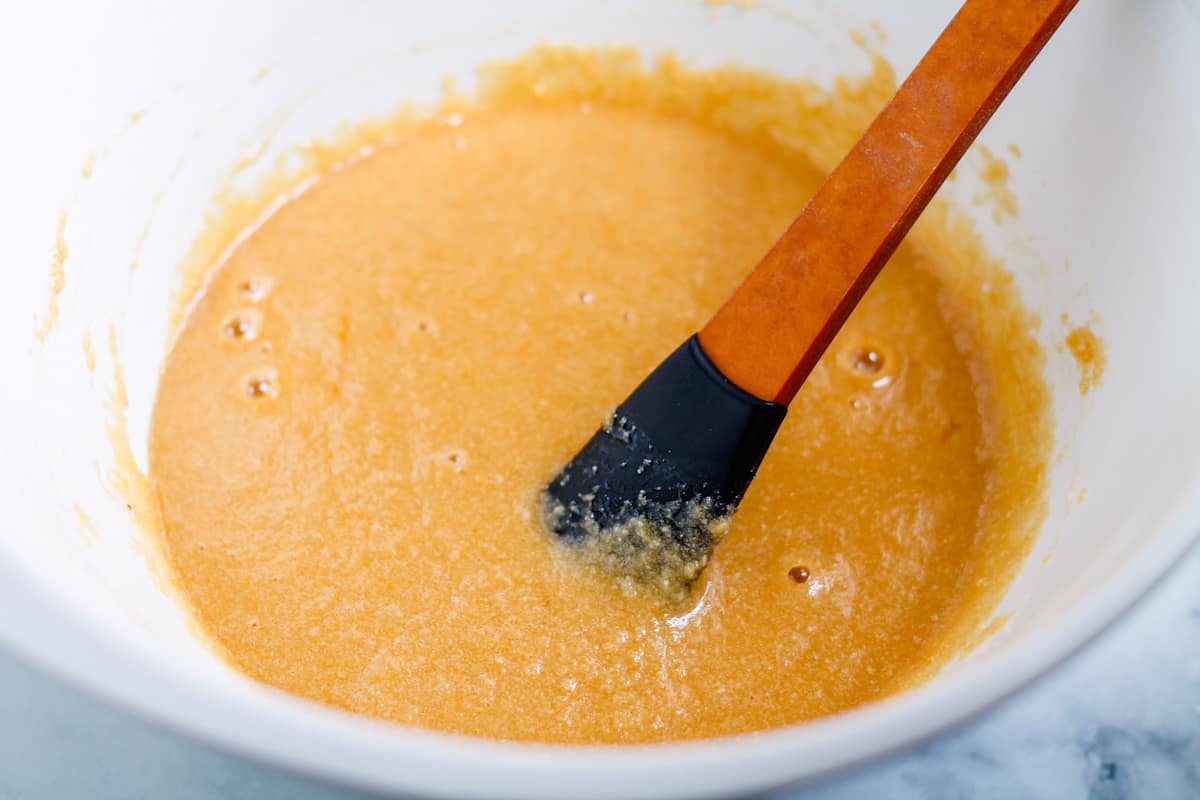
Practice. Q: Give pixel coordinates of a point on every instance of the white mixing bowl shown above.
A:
(163, 102)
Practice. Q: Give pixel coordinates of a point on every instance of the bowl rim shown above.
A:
(300, 736)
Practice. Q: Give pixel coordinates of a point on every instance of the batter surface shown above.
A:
(355, 422)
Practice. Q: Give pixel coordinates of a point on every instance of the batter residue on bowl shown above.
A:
(355, 421)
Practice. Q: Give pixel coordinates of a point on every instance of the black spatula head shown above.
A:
(649, 496)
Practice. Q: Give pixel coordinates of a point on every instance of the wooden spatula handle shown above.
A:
(772, 331)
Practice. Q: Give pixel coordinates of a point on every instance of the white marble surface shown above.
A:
(1122, 720)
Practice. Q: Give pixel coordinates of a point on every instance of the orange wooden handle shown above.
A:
(773, 329)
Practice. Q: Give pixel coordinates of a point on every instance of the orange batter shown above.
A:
(355, 422)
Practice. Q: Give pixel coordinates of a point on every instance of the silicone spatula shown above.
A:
(652, 490)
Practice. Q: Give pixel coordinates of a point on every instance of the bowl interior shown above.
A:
(141, 115)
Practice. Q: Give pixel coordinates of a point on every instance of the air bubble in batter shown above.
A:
(262, 384)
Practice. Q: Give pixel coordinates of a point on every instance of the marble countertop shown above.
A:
(1121, 720)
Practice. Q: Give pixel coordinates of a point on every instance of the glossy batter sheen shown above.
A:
(353, 427)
